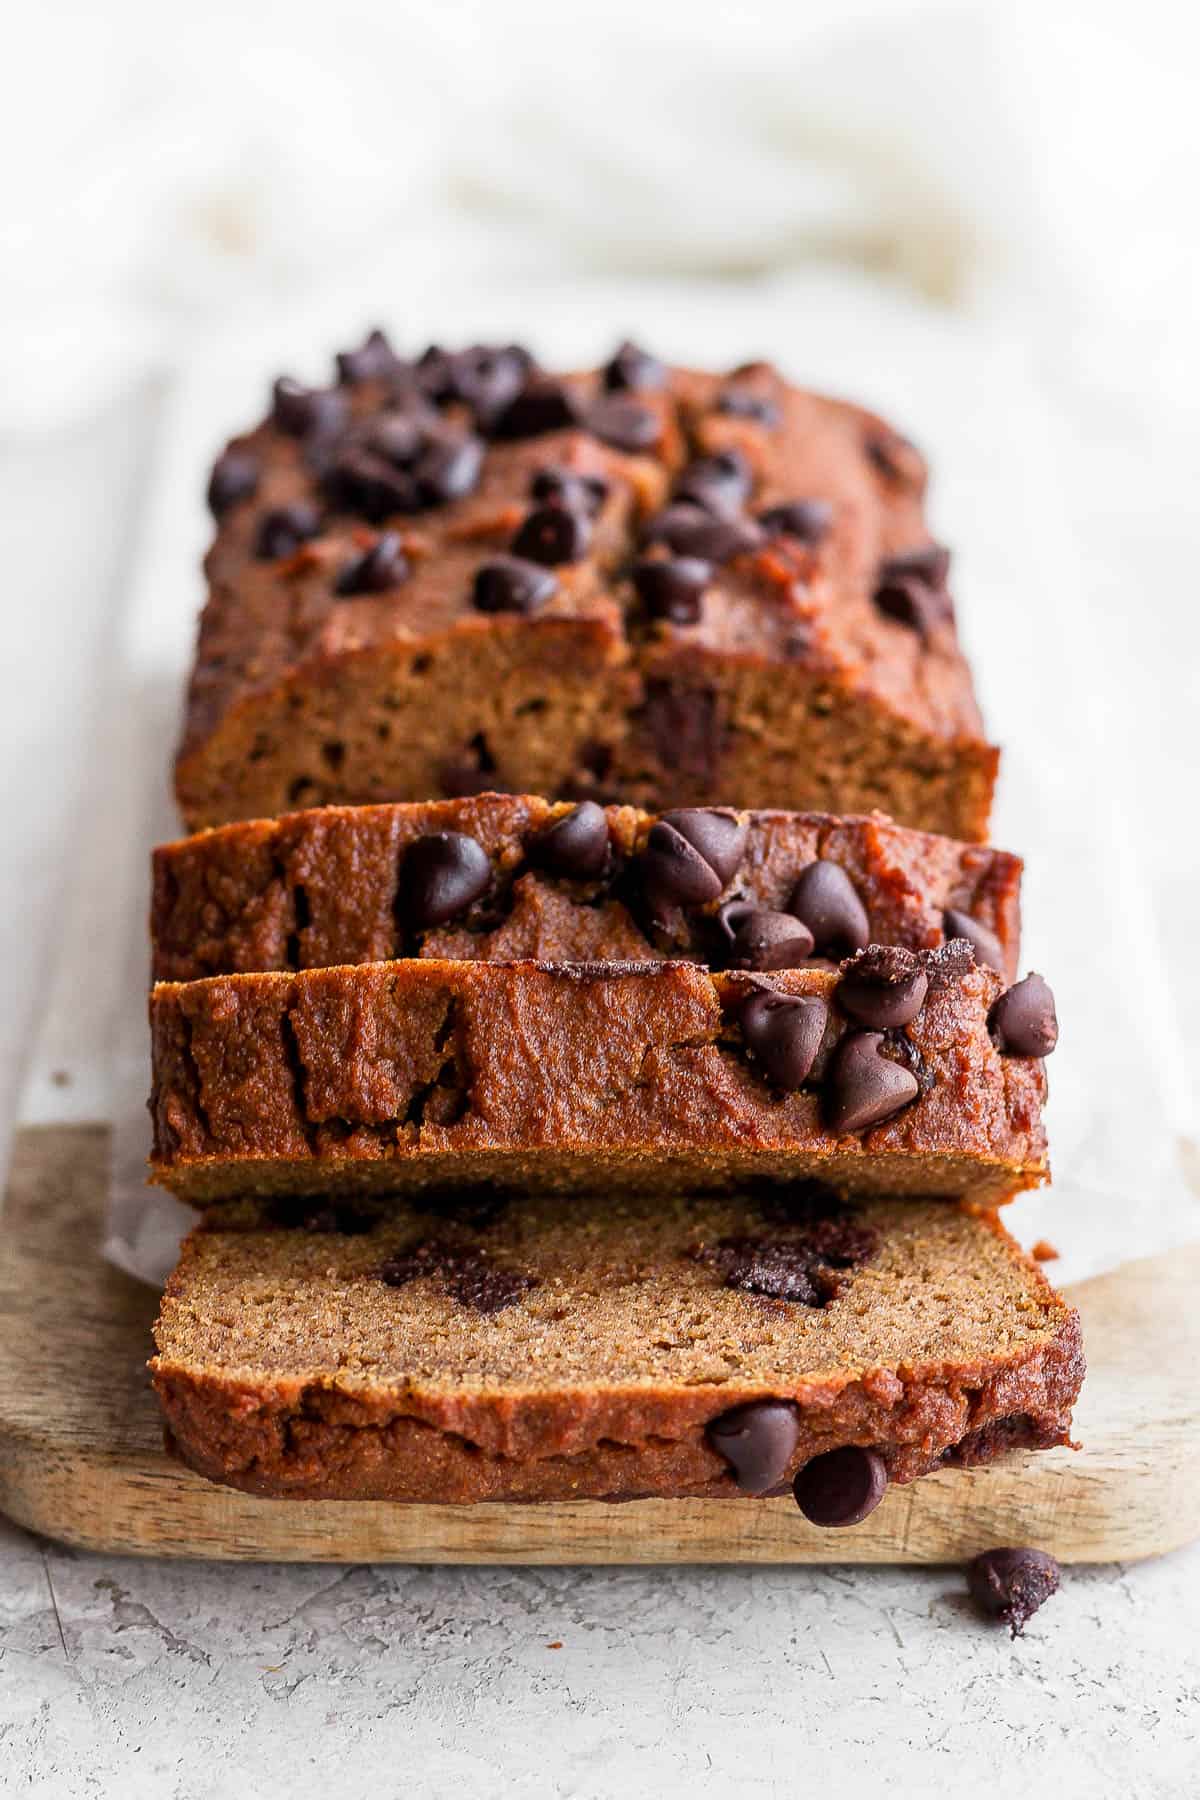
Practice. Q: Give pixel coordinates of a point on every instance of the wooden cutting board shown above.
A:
(81, 1456)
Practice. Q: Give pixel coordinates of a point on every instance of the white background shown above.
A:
(981, 218)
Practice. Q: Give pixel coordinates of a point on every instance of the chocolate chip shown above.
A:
(234, 477)
(553, 534)
(989, 953)
(542, 405)
(672, 589)
(372, 361)
(686, 730)
(631, 369)
(772, 1268)
(358, 480)
(758, 1441)
(883, 987)
(282, 530)
(808, 520)
(381, 567)
(863, 1088)
(690, 531)
(718, 834)
(568, 487)
(761, 939)
(624, 424)
(825, 899)
(442, 875)
(1023, 1021)
(485, 377)
(467, 1275)
(911, 588)
(719, 483)
(1010, 1585)
(397, 436)
(315, 1213)
(575, 845)
(843, 1487)
(909, 602)
(449, 470)
(508, 584)
(674, 872)
(929, 563)
(895, 458)
(303, 412)
(783, 1032)
(745, 403)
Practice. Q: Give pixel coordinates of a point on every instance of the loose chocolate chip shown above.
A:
(449, 470)
(758, 1441)
(508, 584)
(745, 403)
(883, 987)
(234, 477)
(843, 1487)
(674, 872)
(718, 834)
(624, 424)
(372, 361)
(672, 589)
(690, 531)
(568, 487)
(989, 953)
(542, 405)
(863, 1088)
(282, 530)
(631, 369)
(359, 481)
(825, 899)
(303, 412)
(1023, 1021)
(442, 875)
(1010, 1585)
(553, 534)
(381, 567)
(467, 1275)
(719, 483)
(761, 939)
(783, 1032)
(808, 520)
(575, 845)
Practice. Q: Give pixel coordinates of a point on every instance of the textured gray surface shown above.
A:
(139, 1678)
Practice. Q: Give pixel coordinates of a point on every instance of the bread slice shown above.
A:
(521, 1350)
(561, 883)
(578, 1077)
(728, 589)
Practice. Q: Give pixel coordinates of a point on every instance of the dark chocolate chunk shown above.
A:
(448, 469)
(631, 369)
(674, 872)
(508, 584)
(372, 361)
(989, 953)
(304, 412)
(758, 1441)
(747, 403)
(553, 534)
(761, 939)
(719, 483)
(570, 488)
(441, 876)
(1023, 1021)
(843, 1487)
(718, 834)
(672, 589)
(1010, 1585)
(282, 530)
(624, 424)
(883, 987)
(575, 845)
(808, 520)
(783, 1032)
(234, 477)
(542, 405)
(863, 1088)
(467, 1275)
(381, 567)
(689, 530)
(825, 899)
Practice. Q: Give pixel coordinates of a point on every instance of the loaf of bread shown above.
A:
(643, 584)
(621, 1346)
(524, 879)
(902, 1072)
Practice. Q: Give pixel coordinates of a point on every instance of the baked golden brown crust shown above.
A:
(572, 1077)
(534, 1352)
(324, 887)
(812, 667)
